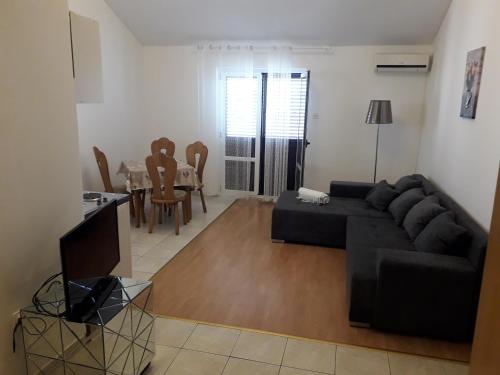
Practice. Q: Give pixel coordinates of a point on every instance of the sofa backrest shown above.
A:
(476, 248)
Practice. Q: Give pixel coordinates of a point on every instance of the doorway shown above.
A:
(264, 132)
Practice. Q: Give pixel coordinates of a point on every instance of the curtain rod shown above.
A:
(264, 48)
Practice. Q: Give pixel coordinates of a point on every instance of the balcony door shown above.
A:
(264, 132)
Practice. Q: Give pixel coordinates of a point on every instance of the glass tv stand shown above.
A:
(118, 338)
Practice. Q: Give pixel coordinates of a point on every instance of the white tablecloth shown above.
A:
(138, 177)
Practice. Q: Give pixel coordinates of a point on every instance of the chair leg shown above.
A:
(189, 204)
(137, 205)
(132, 208)
(160, 215)
(169, 211)
(184, 212)
(143, 204)
(203, 201)
(152, 217)
(176, 214)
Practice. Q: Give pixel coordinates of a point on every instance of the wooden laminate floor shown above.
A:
(232, 274)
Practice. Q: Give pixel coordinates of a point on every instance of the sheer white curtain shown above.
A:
(215, 64)
(233, 151)
(278, 117)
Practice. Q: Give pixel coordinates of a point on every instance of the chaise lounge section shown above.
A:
(391, 285)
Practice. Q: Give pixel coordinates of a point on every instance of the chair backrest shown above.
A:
(163, 183)
(161, 144)
(102, 163)
(191, 151)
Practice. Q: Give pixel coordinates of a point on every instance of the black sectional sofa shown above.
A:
(391, 286)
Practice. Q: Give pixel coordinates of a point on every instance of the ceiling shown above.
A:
(332, 22)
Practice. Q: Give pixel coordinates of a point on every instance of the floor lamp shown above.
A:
(379, 113)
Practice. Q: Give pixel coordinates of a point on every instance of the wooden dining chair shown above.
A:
(163, 194)
(102, 164)
(192, 150)
(164, 145)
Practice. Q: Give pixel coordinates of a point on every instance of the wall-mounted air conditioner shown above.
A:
(411, 63)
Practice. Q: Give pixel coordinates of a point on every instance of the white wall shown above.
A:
(171, 96)
(115, 125)
(342, 145)
(342, 84)
(40, 192)
(462, 155)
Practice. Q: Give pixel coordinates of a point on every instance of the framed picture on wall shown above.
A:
(472, 82)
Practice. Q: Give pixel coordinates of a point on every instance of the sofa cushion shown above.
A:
(475, 247)
(429, 187)
(376, 232)
(400, 206)
(421, 214)
(325, 225)
(442, 236)
(337, 205)
(406, 183)
(381, 195)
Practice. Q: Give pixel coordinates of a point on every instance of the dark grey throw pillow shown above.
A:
(421, 214)
(442, 236)
(381, 195)
(429, 187)
(406, 183)
(400, 206)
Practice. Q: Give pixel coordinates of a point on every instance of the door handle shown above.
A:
(307, 143)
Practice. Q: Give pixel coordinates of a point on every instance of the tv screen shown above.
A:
(89, 253)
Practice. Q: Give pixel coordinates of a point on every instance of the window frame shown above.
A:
(222, 76)
(261, 102)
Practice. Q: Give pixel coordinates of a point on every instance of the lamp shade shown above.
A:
(379, 112)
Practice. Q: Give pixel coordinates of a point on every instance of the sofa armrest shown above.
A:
(347, 189)
(424, 293)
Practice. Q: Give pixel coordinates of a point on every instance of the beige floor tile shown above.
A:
(148, 264)
(237, 366)
(176, 243)
(160, 252)
(173, 332)
(139, 248)
(138, 275)
(308, 355)
(360, 361)
(296, 371)
(404, 364)
(193, 229)
(135, 258)
(143, 237)
(164, 356)
(455, 368)
(190, 362)
(260, 347)
(216, 340)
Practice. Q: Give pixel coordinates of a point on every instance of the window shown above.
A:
(264, 119)
(241, 107)
(286, 122)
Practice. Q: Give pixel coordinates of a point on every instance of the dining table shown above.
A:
(138, 183)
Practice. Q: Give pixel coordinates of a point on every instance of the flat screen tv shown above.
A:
(89, 252)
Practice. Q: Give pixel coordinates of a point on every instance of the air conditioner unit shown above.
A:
(411, 63)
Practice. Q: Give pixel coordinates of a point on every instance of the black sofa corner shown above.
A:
(390, 285)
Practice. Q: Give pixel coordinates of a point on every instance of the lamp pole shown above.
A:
(376, 156)
(379, 112)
